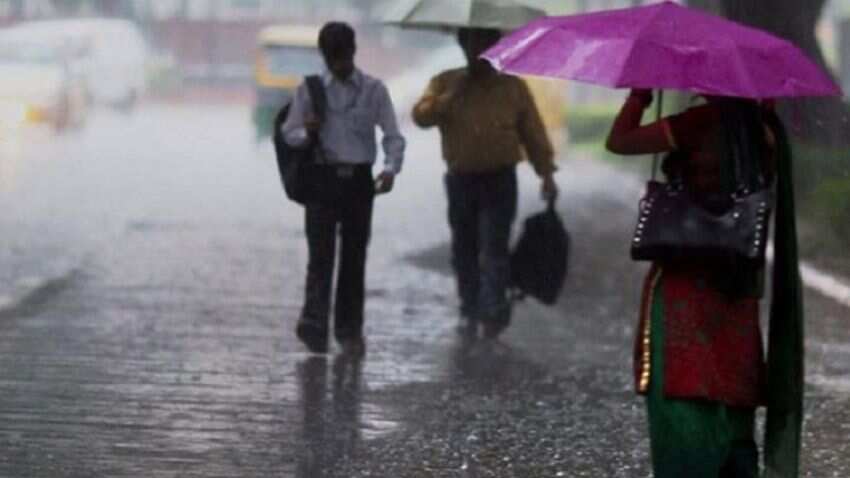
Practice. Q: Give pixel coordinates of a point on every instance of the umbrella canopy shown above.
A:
(663, 45)
(453, 14)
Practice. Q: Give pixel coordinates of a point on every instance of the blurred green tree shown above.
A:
(825, 121)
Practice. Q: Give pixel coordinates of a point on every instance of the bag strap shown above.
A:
(319, 99)
(316, 89)
(659, 108)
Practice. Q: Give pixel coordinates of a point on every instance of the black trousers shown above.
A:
(349, 217)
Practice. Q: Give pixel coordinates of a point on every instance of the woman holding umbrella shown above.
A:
(699, 356)
(699, 351)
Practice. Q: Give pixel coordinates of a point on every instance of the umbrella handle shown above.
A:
(659, 107)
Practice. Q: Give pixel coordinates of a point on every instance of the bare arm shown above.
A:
(628, 137)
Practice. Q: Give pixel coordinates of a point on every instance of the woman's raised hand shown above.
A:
(644, 95)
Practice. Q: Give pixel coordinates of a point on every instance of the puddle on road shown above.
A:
(374, 422)
(31, 293)
(832, 384)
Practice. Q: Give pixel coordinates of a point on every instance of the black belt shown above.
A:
(484, 174)
(347, 170)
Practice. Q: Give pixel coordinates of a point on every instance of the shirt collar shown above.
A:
(355, 79)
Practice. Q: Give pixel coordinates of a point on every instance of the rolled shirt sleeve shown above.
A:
(294, 132)
(393, 142)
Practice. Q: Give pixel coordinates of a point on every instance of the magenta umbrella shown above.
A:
(664, 45)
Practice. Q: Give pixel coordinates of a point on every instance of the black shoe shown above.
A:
(496, 321)
(313, 336)
(467, 328)
(354, 347)
(492, 329)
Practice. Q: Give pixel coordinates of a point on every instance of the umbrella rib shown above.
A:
(533, 42)
(413, 11)
(743, 68)
(626, 62)
(633, 44)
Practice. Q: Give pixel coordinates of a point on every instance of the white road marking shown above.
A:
(828, 285)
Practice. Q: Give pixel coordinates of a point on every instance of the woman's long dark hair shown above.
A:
(744, 127)
(745, 164)
(744, 146)
(786, 338)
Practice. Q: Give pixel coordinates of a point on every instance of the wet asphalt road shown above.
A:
(153, 274)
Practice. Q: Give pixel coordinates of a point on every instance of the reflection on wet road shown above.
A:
(331, 428)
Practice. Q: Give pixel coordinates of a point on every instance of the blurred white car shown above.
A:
(111, 54)
(38, 86)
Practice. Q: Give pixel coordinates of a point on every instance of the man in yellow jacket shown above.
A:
(488, 123)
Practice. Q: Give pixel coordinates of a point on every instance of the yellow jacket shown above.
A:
(485, 124)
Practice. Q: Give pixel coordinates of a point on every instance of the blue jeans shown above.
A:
(482, 208)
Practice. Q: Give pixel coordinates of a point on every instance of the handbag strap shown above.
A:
(659, 107)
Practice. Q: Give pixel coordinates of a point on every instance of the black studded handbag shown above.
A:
(672, 224)
(723, 232)
(727, 226)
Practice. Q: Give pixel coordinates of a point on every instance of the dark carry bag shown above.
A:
(301, 176)
(539, 260)
(673, 224)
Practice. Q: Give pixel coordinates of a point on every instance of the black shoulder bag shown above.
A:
(672, 224)
(300, 173)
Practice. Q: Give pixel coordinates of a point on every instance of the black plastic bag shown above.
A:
(539, 259)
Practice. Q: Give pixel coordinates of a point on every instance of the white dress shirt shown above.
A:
(355, 107)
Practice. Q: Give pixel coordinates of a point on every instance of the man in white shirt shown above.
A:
(356, 104)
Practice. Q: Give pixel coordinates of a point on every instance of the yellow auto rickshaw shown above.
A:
(285, 54)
